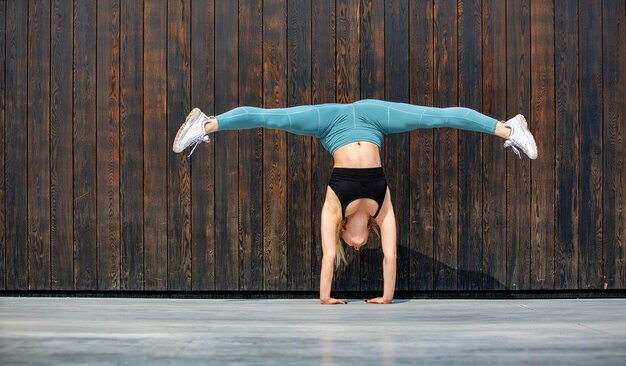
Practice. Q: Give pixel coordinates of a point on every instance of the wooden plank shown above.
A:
(566, 195)
(85, 218)
(2, 145)
(470, 148)
(61, 142)
(494, 164)
(226, 147)
(323, 90)
(299, 232)
(179, 182)
(274, 147)
(396, 151)
(203, 168)
(108, 148)
(446, 149)
(590, 151)
(614, 174)
(372, 86)
(131, 144)
(347, 76)
(518, 172)
(39, 145)
(156, 145)
(421, 77)
(251, 147)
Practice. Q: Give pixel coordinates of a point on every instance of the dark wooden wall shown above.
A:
(92, 93)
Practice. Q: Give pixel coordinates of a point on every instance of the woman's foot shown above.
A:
(520, 137)
(192, 132)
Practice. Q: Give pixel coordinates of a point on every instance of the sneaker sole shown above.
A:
(183, 128)
(529, 136)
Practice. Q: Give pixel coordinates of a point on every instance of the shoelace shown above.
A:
(202, 139)
(510, 143)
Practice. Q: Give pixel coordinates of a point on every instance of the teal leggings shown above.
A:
(370, 120)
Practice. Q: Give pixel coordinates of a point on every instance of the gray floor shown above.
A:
(106, 331)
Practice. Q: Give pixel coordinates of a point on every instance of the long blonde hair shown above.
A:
(340, 255)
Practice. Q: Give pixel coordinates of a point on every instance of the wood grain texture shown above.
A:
(470, 148)
(372, 86)
(274, 147)
(85, 112)
(251, 147)
(299, 222)
(38, 145)
(226, 147)
(567, 196)
(179, 177)
(323, 90)
(108, 145)
(203, 167)
(156, 146)
(2, 146)
(347, 75)
(421, 88)
(61, 144)
(542, 124)
(614, 174)
(494, 162)
(518, 171)
(590, 152)
(131, 145)
(396, 149)
(446, 201)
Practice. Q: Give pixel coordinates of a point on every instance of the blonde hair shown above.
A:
(340, 255)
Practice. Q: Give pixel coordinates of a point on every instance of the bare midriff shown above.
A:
(361, 154)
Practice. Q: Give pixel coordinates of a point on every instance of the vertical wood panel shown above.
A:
(203, 167)
(614, 78)
(108, 147)
(470, 148)
(226, 147)
(251, 147)
(275, 147)
(421, 87)
(2, 145)
(156, 145)
(85, 112)
(518, 172)
(590, 101)
(567, 173)
(323, 90)
(396, 150)
(179, 183)
(446, 148)
(131, 144)
(372, 86)
(299, 229)
(61, 142)
(494, 169)
(347, 74)
(38, 145)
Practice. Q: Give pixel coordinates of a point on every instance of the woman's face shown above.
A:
(356, 232)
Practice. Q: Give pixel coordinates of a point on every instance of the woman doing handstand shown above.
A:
(357, 199)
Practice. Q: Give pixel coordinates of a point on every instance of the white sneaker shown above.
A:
(192, 131)
(521, 137)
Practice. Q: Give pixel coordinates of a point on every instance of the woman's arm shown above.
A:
(388, 239)
(330, 218)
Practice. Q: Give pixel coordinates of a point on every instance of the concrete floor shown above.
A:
(129, 331)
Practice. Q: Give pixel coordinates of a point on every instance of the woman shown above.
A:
(357, 198)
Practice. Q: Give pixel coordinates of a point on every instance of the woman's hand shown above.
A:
(379, 300)
(332, 301)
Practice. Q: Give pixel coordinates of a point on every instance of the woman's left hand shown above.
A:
(379, 300)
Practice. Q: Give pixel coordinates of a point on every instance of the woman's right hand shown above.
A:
(332, 301)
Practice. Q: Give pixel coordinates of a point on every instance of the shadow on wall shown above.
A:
(368, 268)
